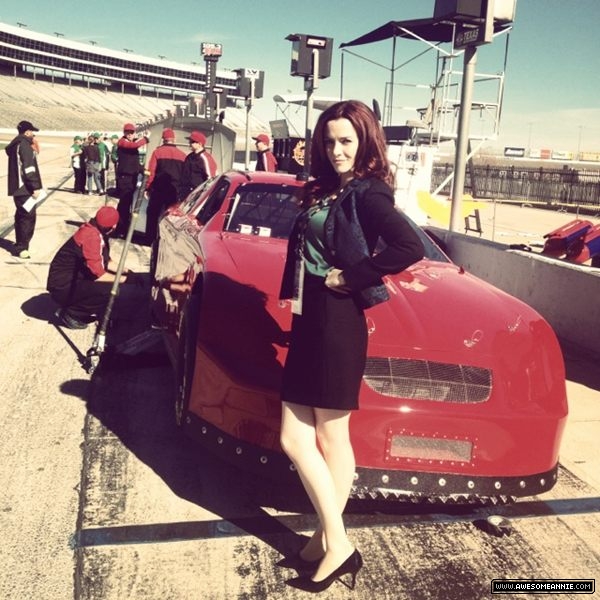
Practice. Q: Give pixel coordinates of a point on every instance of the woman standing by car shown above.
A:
(332, 275)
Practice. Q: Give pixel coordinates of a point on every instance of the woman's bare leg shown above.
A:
(299, 428)
(333, 434)
(335, 445)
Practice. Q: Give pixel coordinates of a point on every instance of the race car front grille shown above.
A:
(427, 380)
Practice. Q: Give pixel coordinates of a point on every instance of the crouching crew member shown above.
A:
(82, 273)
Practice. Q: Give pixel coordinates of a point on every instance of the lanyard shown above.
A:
(304, 220)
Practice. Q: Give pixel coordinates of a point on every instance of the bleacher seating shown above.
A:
(60, 107)
(74, 108)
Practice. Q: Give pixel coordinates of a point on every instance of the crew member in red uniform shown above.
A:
(265, 160)
(128, 169)
(82, 273)
(199, 165)
(162, 187)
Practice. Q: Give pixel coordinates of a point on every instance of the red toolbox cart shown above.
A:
(568, 236)
(589, 248)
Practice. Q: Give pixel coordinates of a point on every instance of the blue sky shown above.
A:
(552, 85)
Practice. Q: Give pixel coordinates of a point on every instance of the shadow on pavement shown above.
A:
(143, 421)
(6, 245)
(40, 307)
(132, 401)
(581, 367)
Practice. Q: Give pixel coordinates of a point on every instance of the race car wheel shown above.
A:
(186, 358)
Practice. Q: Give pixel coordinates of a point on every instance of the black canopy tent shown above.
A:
(431, 31)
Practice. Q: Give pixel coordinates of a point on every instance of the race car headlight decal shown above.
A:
(427, 380)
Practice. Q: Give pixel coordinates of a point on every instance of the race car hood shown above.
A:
(440, 307)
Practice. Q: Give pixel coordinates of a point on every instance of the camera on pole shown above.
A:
(311, 59)
(249, 84)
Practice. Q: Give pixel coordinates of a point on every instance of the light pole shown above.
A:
(462, 140)
(579, 140)
(468, 36)
(211, 52)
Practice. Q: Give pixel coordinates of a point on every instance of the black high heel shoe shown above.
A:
(351, 566)
(299, 564)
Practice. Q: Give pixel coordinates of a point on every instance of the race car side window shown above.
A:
(191, 201)
(433, 251)
(213, 203)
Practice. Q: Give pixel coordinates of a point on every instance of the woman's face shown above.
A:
(341, 145)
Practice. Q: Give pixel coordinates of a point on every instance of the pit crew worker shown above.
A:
(82, 273)
(199, 165)
(266, 160)
(162, 187)
(24, 182)
(128, 168)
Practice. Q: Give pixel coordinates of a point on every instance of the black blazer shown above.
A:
(362, 215)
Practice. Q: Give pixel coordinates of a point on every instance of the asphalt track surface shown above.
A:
(102, 499)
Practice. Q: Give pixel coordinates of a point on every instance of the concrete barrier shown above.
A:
(565, 294)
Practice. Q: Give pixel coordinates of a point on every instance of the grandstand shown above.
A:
(62, 85)
(59, 107)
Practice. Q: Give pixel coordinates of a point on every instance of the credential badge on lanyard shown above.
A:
(298, 287)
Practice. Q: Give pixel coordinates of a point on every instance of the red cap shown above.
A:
(168, 134)
(129, 127)
(196, 136)
(107, 217)
(264, 138)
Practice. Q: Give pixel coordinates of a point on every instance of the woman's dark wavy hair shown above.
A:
(371, 157)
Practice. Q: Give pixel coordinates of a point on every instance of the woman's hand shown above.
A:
(334, 280)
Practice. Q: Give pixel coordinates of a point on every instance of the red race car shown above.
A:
(463, 396)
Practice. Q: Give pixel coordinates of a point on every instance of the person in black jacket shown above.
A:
(199, 164)
(165, 168)
(332, 275)
(24, 185)
(93, 165)
(128, 169)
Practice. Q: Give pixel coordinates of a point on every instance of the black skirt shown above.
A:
(327, 353)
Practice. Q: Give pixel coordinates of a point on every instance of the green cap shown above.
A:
(77, 138)
(96, 134)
